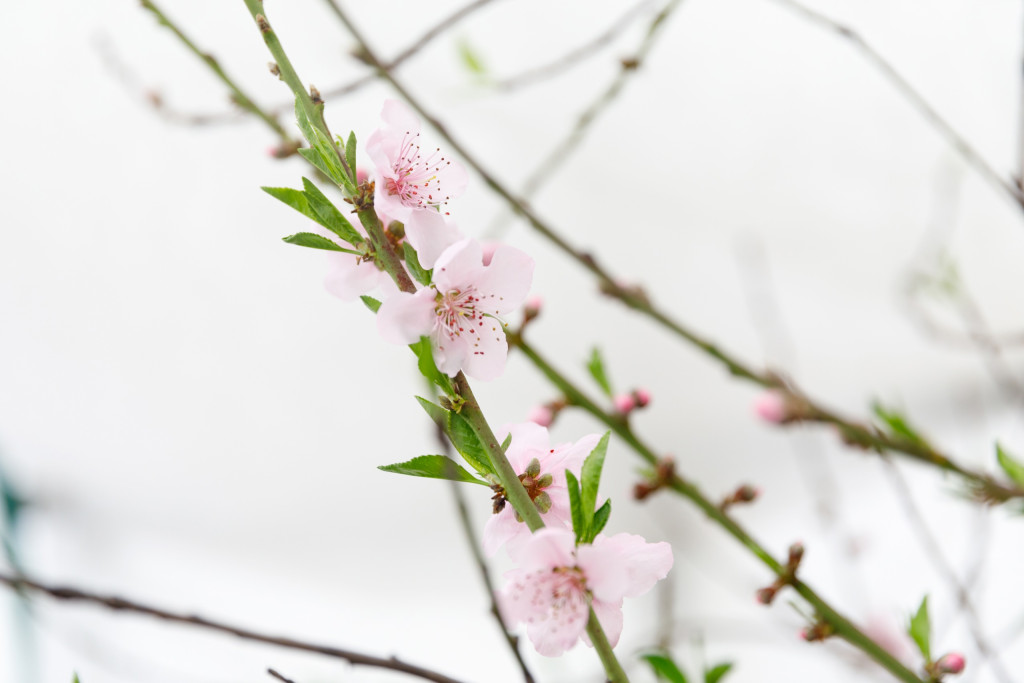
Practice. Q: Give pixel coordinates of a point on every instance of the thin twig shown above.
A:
(855, 433)
(122, 605)
(574, 56)
(239, 97)
(279, 676)
(923, 106)
(842, 626)
(934, 552)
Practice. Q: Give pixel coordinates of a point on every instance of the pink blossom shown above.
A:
(349, 276)
(548, 592)
(414, 185)
(771, 407)
(460, 310)
(953, 663)
(624, 403)
(546, 483)
(541, 415)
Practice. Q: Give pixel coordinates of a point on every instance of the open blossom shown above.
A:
(541, 468)
(460, 311)
(548, 592)
(413, 184)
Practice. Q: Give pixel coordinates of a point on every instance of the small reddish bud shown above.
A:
(362, 175)
(796, 553)
(533, 305)
(624, 403)
(642, 397)
(766, 595)
(746, 494)
(541, 415)
(952, 663)
(771, 407)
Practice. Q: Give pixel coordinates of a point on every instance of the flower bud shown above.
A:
(771, 407)
(624, 403)
(362, 175)
(642, 397)
(543, 502)
(952, 663)
(766, 595)
(541, 415)
(533, 469)
(531, 309)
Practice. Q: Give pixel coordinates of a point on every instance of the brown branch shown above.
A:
(853, 432)
(122, 605)
(279, 676)
(916, 99)
(574, 56)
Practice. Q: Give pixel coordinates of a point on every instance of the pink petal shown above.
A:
(529, 441)
(485, 359)
(430, 234)
(506, 281)
(605, 569)
(503, 528)
(449, 354)
(348, 278)
(398, 116)
(561, 628)
(609, 615)
(458, 266)
(547, 549)
(404, 318)
(645, 563)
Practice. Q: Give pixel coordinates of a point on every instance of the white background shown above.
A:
(197, 424)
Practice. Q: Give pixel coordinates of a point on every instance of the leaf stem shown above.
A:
(841, 625)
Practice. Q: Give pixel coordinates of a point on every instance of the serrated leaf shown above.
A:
(470, 59)
(920, 630)
(1014, 468)
(467, 442)
(350, 154)
(327, 214)
(600, 520)
(412, 262)
(304, 124)
(579, 523)
(664, 668)
(428, 368)
(371, 303)
(433, 467)
(596, 368)
(591, 477)
(716, 673)
(324, 148)
(314, 241)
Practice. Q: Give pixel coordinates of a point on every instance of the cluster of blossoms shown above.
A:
(557, 581)
(470, 287)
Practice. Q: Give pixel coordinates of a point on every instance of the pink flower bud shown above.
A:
(642, 396)
(771, 407)
(952, 663)
(624, 403)
(533, 305)
(541, 415)
(361, 175)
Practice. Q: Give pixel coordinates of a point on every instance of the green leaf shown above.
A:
(467, 442)
(579, 524)
(328, 215)
(920, 630)
(428, 368)
(293, 198)
(600, 519)
(898, 424)
(371, 303)
(314, 157)
(412, 262)
(1014, 468)
(664, 668)
(470, 59)
(506, 443)
(596, 367)
(716, 673)
(438, 414)
(591, 477)
(350, 154)
(433, 467)
(314, 241)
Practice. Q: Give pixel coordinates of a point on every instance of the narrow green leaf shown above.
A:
(324, 148)
(591, 477)
(328, 215)
(428, 368)
(371, 303)
(664, 668)
(579, 524)
(716, 673)
(506, 443)
(1014, 468)
(438, 414)
(470, 59)
(293, 198)
(600, 519)
(313, 156)
(898, 424)
(350, 154)
(596, 368)
(412, 262)
(304, 124)
(314, 241)
(468, 443)
(920, 630)
(433, 467)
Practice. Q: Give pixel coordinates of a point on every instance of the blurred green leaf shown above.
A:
(428, 368)
(920, 630)
(1014, 468)
(898, 424)
(350, 154)
(371, 303)
(471, 59)
(412, 262)
(433, 467)
(664, 668)
(716, 673)
(596, 368)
